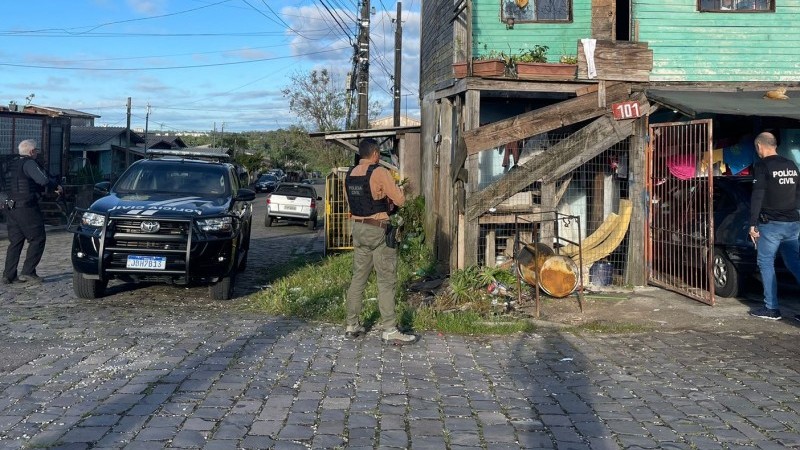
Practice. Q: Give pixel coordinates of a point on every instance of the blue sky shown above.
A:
(196, 62)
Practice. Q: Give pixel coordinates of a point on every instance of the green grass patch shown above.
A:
(604, 327)
(315, 289)
(467, 322)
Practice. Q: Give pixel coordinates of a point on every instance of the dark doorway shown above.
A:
(623, 25)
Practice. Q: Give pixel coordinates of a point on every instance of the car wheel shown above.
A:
(86, 288)
(726, 278)
(267, 221)
(223, 289)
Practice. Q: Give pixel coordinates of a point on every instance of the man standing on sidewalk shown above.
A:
(372, 194)
(24, 181)
(774, 220)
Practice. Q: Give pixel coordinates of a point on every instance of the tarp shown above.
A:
(747, 103)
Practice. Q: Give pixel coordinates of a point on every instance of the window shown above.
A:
(736, 5)
(537, 10)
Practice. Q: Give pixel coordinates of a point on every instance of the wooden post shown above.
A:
(471, 230)
(490, 260)
(635, 270)
(547, 227)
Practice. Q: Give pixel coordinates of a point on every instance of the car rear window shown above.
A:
(293, 190)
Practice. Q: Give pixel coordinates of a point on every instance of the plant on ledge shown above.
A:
(532, 64)
(492, 63)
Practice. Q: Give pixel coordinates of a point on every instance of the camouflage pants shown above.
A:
(370, 251)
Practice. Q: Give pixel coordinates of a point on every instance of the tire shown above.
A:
(88, 289)
(726, 278)
(267, 221)
(243, 263)
(222, 289)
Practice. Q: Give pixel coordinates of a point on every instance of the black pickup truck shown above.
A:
(176, 217)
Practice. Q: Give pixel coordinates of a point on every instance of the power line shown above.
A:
(92, 28)
(137, 69)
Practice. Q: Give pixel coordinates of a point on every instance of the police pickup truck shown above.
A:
(176, 217)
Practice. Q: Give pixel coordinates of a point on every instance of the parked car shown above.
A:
(266, 183)
(174, 219)
(278, 173)
(733, 254)
(292, 202)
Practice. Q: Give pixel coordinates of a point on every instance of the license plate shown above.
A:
(147, 262)
(290, 208)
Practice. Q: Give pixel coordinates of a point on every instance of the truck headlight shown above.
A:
(91, 219)
(216, 224)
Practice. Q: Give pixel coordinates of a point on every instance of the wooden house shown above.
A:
(651, 79)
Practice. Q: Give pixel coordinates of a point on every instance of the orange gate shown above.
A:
(681, 229)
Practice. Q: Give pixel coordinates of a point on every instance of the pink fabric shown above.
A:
(682, 167)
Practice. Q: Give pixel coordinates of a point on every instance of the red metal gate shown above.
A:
(681, 229)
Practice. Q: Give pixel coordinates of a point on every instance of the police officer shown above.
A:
(372, 195)
(24, 182)
(774, 220)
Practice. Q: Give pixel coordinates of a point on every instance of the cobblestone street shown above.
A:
(165, 367)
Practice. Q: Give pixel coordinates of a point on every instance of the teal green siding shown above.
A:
(692, 46)
(562, 38)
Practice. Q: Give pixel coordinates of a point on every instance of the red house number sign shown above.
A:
(626, 110)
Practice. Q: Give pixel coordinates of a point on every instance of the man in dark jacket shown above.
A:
(774, 220)
(24, 181)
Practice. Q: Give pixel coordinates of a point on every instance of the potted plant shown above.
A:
(532, 63)
(460, 67)
(490, 64)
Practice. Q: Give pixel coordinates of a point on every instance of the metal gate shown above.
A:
(337, 212)
(681, 229)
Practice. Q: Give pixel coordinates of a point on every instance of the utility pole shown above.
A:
(398, 58)
(128, 137)
(146, 125)
(362, 60)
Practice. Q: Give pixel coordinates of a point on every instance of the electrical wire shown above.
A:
(92, 28)
(137, 69)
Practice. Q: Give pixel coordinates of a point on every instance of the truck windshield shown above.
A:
(177, 178)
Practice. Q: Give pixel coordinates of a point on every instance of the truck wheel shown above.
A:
(88, 289)
(243, 263)
(222, 289)
(726, 278)
(267, 221)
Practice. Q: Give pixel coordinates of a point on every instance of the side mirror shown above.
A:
(245, 195)
(102, 188)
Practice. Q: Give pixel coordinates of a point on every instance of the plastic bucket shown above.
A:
(600, 273)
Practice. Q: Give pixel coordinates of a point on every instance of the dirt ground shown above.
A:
(658, 309)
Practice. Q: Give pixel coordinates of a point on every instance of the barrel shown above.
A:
(558, 276)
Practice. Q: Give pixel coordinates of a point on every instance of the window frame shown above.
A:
(569, 19)
(770, 9)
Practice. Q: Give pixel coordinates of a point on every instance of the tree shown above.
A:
(318, 99)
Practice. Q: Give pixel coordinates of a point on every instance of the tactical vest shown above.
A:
(21, 188)
(359, 194)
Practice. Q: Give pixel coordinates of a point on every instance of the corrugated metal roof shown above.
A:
(65, 111)
(746, 103)
(98, 135)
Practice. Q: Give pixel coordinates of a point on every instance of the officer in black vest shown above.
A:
(25, 180)
(372, 194)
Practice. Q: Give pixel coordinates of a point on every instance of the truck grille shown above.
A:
(127, 233)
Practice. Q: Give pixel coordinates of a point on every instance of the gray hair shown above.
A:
(26, 147)
(767, 140)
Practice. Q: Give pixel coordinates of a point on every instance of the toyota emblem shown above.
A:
(149, 226)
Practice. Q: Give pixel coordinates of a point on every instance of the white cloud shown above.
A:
(147, 7)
